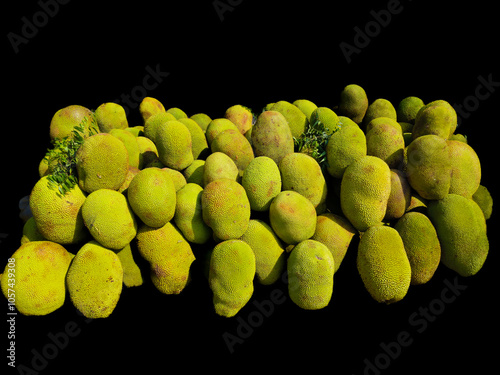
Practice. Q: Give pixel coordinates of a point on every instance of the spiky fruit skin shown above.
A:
(152, 196)
(408, 108)
(110, 116)
(421, 244)
(461, 229)
(310, 269)
(231, 274)
(386, 142)
(58, 219)
(102, 163)
(200, 147)
(484, 200)
(268, 249)
(262, 182)
(130, 142)
(155, 122)
(365, 191)
(234, 144)
(271, 136)
(306, 106)
(132, 275)
(438, 118)
(109, 218)
(65, 119)
(149, 107)
(202, 119)
(428, 166)
(379, 108)
(217, 126)
(353, 103)
(292, 217)
(219, 165)
(296, 119)
(383, 264)
(465, 169)
(400, 197)
(240, 116)
(177, 113)
(174, 144)
(345, 146)
(169, 255)
(226, 208)
(40, 272)
(95, 280)
(327, 117)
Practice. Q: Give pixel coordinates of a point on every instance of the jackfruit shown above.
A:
(31, 232)
(484, 200)
(336, 233)
(292, 217)
(262, 182)
(132, 275)
(188, 214)
(231, 274)
(58, 219)
(177, 113)
(225, 208)
(152, 196)
(132, 172)
(310, 269)
(199, 146)
(194, 173)
(400, 196)
(353, 103)
(383, 264)
(408, 108)
(461, 229)
(428, 166)
(217, 126)
(39, 271)
(365, 191)
(130, 142)
(268, 249)
(271, 136)
(169, 255)
(64, 121)
(149, 107)
(101, 163)
(155, 122)
(465, 169)
(306, 106)
(177, 178)
(421, 244)
(438, 118)
(385, 141)
(327, 117)
(202, 119)
(303, 174)
(148, 152)
(173, 141)
(345, 146)
(297, 121)
(218, 165)
(110, 116)
(95, 280)
(109, 218)
(379, 108)
(241, 116)
(234, 144)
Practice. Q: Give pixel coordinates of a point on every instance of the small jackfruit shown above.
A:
(465, 169)
(219, 165)
(438, 118)
(461, 229)
(408, 108)
(174, 144)
(95, 280)
(353, 103)
(110, 116)
(383, 264)
(310, 269)
(39, 269)
(64, 121)
(262, 182)
(231, 274)
(297, 121)
(149, 107)
(234, 144)
(484, 200)
(241, 116)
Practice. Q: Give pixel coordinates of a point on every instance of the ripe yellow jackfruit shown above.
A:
(31, 232)
(226, 208)
(177, 178)
(219, 165)
(152, 196)
(231, 274)
(149, 107)
(174, 144)
(39, 273)
(269, 253)
(365, 191)
(234, 144)
(111, 116)
(310, 270)
(65, 119)
(262, 182)
(383, 264)
(169, 255)
(461, 229)
(95, 280)
(465, 169)
(240, 116)
(109, 218)
(58, 219)
(353, 103)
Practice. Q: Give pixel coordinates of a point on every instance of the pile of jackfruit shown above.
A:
(253, 195)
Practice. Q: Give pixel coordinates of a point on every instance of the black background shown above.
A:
(90, 53)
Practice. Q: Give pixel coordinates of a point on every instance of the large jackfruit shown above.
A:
(384, 139)
(296, 119)
(437, 117)
(174, 144)
(64, 121)
(111, 116)
(218, 165)
(234, 144)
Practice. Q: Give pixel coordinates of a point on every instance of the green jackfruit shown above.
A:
(202, 119)
(465, 169)
(188, 214)
(109, 218)
(344, 147)
(484, 200)
(400, 197)
(226, 208)
(271, 136)
(177, 113)
(216, 126)
(152, 196)
(297, 121)
(174, 144)
(306, 106)
(155, 122)
(365, 191)
(269, 253)
(38, 271)
(58, 219)
(385, 141)
(177, 178)
(111, 116)
(31, 232)
(327, 117)
(234, 144)
(379, 108)
(292, 217)
(240, 116)
(262, 182)
(218, 165)
(461, 229)
(408, 108)
(421, 244)
(383, 264)
(149, 107)
(132, 275)
(231, 274)
(353, 103)
(310, 269)
(130, 142)
(95, 280)
(65, 119)
(336, 233)
(428, 166)
(438, 118)
(102, 163)
(199, 146)
(169, 255)
(195, 172)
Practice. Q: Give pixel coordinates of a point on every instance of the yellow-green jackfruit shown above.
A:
(297, 121)
(111, 116)
(132, 275)
(240, 116)
(379, 108)
(400, 197)
(262, 182)
(199, 143)
(465, 169)
(408, 108)
(149, 107)
(353, 103)
(217, 126)
(64, 121)
(219, 165)
(306, 106)
(438, 118)
(174, 144)
(130, 142)
(155, 122)
(386, 142)
(234, 144)
(484, 200)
